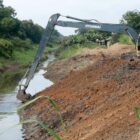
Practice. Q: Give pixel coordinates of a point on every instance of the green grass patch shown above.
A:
(10, 79)
(125, 39)
(70, 51)
(137, 112)
(52, 48)
(24, 57)
(92, 45)
(21, 59)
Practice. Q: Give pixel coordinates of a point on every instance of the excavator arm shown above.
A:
(81, 24)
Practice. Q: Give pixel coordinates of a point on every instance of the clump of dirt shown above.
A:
(97, 103)
(60, 69)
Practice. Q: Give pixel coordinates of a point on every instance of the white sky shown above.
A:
(39, 11)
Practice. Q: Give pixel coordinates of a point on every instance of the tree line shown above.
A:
(131, 18)
(16, 34)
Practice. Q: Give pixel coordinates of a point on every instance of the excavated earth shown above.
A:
(60, 69)
(97, 102)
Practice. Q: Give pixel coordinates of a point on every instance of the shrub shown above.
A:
(125, 39)
(22, 44)
(69, 51)
(122, 38)
(6, 48)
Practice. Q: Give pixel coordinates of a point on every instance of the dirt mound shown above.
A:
(60, 69)
(97, 103)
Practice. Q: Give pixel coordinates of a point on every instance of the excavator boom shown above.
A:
(81, 24)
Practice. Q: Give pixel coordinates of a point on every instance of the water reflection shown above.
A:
(9, 130)
(39, 83)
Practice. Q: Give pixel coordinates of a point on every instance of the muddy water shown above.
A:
(9, 130)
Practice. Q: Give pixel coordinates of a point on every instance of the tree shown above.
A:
(1, 4)
(34, 32)
(132, 18)
(9, 26)
(56, 37)
(92, 34)
(7, 12)
(30, 30)
(6, 48)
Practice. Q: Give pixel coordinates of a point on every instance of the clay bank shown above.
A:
(97, 101)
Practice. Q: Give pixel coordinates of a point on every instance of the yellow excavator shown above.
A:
(76, 23)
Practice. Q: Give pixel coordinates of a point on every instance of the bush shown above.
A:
(69, 51)
(22, 44)
(122, 38)
(9, 79)
(24, 57)
(125, 39)
(6, 48)
(132, 18)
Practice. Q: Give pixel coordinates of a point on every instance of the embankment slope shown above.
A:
(97, 102)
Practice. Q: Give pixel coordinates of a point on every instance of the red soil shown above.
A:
(97, 103)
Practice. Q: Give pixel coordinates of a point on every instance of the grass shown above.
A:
(137, 112)
(52, 48)
(22, 58)
(11, 76)
(125, 39)
(9, 80)
(70, 51)
(25, 57)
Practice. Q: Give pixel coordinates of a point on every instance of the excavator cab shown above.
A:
(77, 23)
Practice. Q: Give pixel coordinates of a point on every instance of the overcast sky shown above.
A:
(39, 11)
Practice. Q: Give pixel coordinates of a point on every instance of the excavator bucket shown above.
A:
(23, 96)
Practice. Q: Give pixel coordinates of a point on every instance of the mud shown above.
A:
(97, 102)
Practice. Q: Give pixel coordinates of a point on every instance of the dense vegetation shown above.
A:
(18, 44)
(83, 39)
(132, 18)
(16, 34)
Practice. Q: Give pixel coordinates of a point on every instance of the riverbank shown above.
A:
(12, 70)
(61, 68)
(96, 102)
(9, 117)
